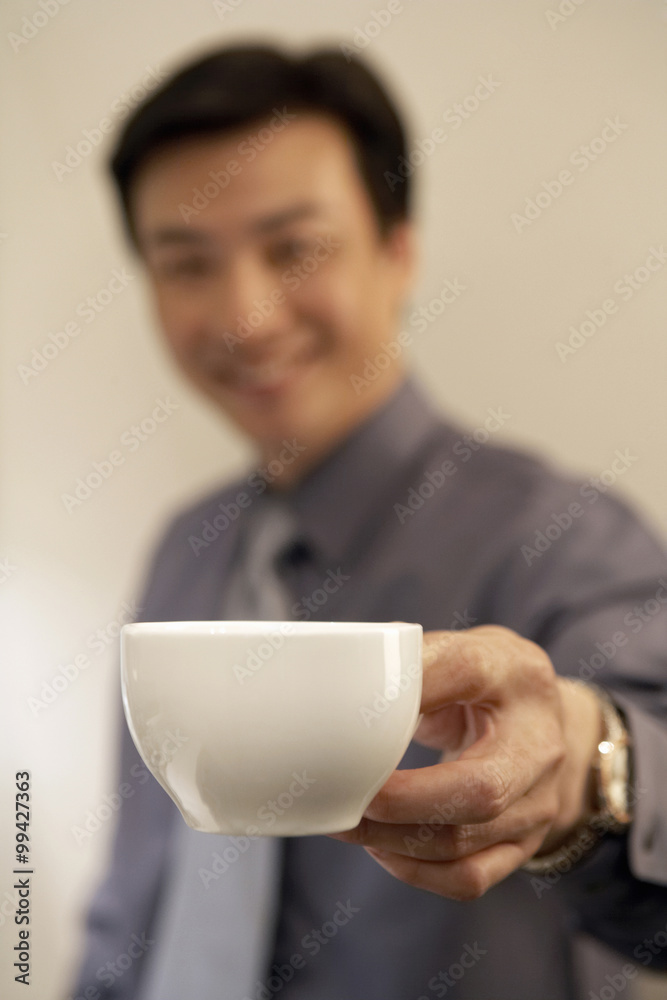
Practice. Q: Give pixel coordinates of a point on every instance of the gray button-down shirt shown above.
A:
(412, 519)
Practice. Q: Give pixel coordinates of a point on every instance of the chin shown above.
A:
(309, 410)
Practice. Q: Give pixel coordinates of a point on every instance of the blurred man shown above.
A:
(261, 191)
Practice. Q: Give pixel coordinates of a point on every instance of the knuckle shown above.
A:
(542, 675)
(552, 749)
(383, 805)
(476, 663)
(434, 644)
(380, 808)
(459, 843)
(493, 793)
(493, 631)
(471, 884)
(558, 751)
(550, 811)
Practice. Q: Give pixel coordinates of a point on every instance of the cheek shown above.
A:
(178, 322)
(341, 309)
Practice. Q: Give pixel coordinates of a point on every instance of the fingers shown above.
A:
(459, 827)
(447, 727)
(486, 780)
(460, 880)
(476, 794)
(487, 663)
(439, 840)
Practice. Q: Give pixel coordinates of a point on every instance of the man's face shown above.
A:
(277, 289)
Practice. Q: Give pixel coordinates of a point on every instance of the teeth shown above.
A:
(262, 374)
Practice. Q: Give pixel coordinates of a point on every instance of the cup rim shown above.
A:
(223, 627)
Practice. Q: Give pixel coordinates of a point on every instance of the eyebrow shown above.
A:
(168, 235)
(178, 235)
(304, 210)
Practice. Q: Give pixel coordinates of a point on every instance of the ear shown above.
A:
(402, 255)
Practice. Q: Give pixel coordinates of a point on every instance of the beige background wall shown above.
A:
(65, 574)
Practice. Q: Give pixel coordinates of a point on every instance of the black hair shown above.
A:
(243, 83)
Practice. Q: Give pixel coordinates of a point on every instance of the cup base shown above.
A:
(278, 830)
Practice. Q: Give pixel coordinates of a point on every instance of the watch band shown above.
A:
(613, 765)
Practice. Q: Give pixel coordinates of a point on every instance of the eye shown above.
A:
(288, 250)
(185, 268)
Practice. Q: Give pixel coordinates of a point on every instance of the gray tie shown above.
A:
(215, 926)
(255, 591)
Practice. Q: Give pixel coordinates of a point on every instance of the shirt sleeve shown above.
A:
(586, 580)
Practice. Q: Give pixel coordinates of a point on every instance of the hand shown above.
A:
(523, 740)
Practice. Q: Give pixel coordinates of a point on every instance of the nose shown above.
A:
(250, 303)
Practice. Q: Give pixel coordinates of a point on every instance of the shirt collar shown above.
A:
(336, 499)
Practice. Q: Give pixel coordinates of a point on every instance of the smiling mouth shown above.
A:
(265, 378)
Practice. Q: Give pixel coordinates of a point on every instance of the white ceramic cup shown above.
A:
(271, 728)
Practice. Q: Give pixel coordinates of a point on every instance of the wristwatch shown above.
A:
(613, 812)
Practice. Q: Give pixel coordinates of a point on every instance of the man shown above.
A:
(280, 260)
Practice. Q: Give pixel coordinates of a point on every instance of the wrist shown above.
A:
(605, 805)
(583, 729)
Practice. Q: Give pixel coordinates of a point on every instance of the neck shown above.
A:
(294, 463)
